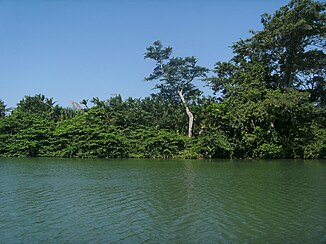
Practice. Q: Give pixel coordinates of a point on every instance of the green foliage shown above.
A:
(291, 48)
(253, 122)
(291, 43)
(176, 76)
(272, 104)
(25, 134)
(174, 73)
(2, 109)
(316, 148)
(268, 87)
(35, 104)
(268, 150)
(154, 143)
(213, 145)
(87, 135)
(112, 129)
(275, 126)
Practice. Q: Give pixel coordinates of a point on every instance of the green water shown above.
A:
(162, 201)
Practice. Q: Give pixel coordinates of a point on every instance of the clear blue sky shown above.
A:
(76, 49)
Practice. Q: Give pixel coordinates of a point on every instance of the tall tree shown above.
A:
(176, 76)
(291, 46)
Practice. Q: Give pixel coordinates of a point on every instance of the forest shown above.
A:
(269, 102)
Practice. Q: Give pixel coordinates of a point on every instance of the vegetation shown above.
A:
(271, 103)
(177, 75)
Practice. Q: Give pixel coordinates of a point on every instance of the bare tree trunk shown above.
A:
(190, 115)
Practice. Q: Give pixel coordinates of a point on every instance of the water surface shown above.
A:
(162, 201)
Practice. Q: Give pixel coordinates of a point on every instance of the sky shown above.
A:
(71, 50)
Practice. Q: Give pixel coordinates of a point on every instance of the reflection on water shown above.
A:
(183, 201)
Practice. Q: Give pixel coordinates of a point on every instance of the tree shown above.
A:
(291, 46)
(35, 104)
(176, 76)
(85, 103)
(2, 109)
(40, 104)
(262, 121)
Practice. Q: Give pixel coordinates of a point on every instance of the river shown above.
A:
(162, 201)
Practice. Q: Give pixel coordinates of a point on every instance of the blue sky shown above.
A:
(71, 50)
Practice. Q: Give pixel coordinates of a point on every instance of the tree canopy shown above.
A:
(176, 75)
(291, 48)
(272, 103)
(2, 109)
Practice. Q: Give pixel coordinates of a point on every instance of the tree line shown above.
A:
(269, 102)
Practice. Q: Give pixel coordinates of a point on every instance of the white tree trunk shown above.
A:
(190, 115)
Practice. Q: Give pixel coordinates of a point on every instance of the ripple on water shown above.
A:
(48, 200)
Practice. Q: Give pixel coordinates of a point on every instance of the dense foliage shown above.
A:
(271, 104)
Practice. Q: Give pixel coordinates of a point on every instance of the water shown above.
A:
(162, 201)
